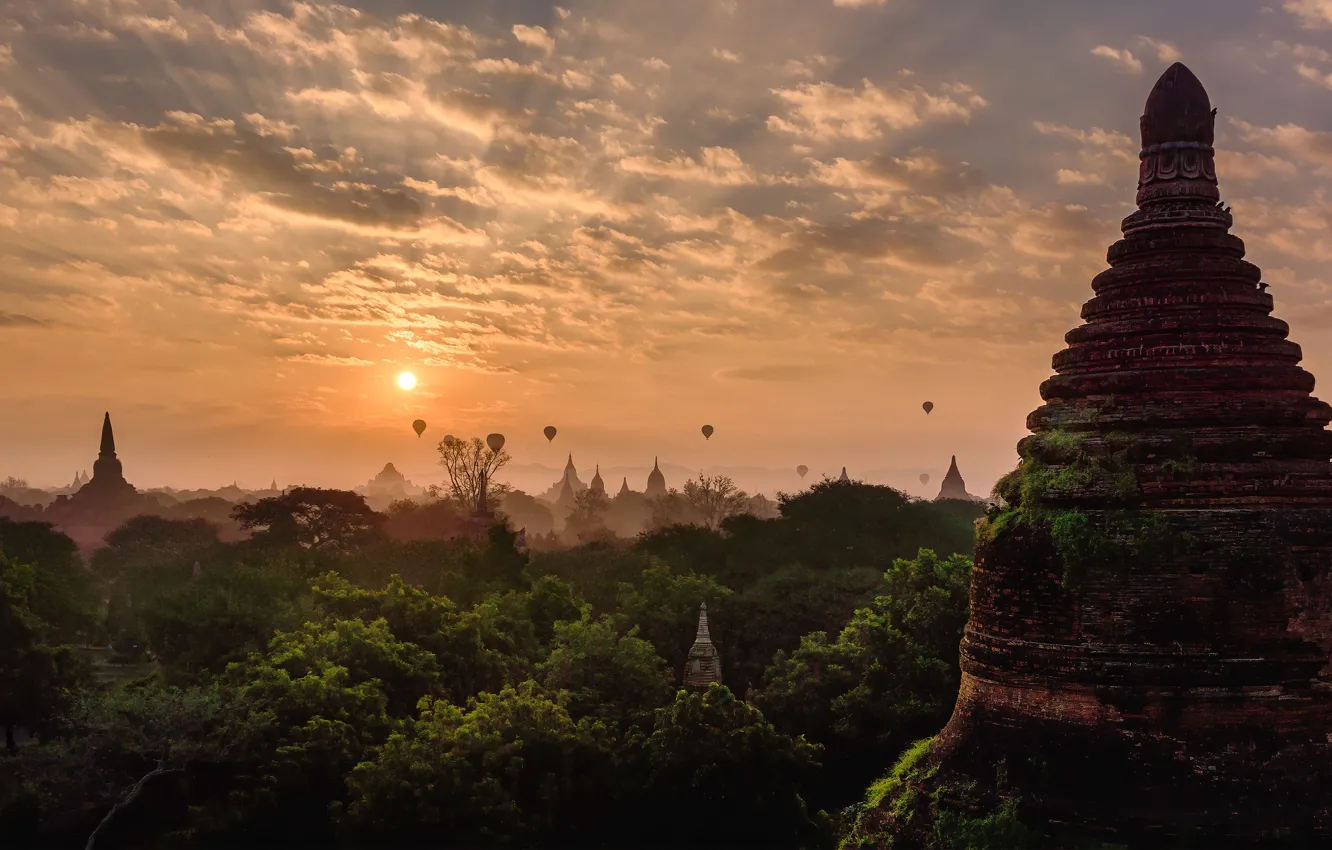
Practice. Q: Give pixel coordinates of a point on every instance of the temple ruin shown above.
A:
(704, 664)
(1147, 659)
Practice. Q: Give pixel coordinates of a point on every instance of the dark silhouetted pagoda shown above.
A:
(704, 664)
(1147, 658)
(656, 482)
(597, 485)
(953, 487)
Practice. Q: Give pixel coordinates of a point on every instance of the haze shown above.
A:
(233, 224)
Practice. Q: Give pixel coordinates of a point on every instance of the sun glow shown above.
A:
(406, 380)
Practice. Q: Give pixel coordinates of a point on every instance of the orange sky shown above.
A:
(232, 223)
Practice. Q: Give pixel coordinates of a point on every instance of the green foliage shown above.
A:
(615, 677)
(63, 594)
(891, 676)
(197, 628)
(323, 685)
(914, 805)
(1090, 540)
(663, 605)
(725, 777)
(508, 768)
(38, 676)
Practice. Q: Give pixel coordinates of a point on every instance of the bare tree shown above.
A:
(464, 462)
(713, 498)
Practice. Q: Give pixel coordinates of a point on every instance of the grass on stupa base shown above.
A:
(1088, 540)
(913, 807)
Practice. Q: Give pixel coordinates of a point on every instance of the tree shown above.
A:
(667, 510)
(529, 512)
(890, 677)
(313, 518)
(464, 462)
(317, 701)
(510, 769)
(724, 777)
(712, 498)
(615, 677)
(663, 604)
(231, 610)
(587, 520)
(64, 595)
(38, 677)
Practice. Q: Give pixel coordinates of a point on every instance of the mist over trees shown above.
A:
(350, 678)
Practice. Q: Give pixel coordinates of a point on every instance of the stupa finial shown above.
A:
(1178, 127)
(108, 447)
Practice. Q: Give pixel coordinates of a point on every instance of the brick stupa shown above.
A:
(704, 665)
(1147, 659)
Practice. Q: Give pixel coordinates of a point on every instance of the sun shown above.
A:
(406, 380)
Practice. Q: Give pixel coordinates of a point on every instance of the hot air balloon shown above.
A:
(707, 432)
(802, 470)
(495, 441)
(549, 432)
(419, 427)
(924, 478)
(927, 407)
(449, 439)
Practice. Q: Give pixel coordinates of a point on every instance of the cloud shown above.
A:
(718, 166)
(1313, 14)
(1122, 58)
(771, 372)
(920, 172)
(19, 320)
(327, 360)
(857, 3)
(1299, 143)
(534, 37)
(1099, 158)
(825, 111)
(1166, 53)
(726, 55)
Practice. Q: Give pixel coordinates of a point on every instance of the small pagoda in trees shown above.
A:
(704, 665)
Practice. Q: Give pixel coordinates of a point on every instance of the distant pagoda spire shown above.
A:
(597, 484)
(953, 486)
(108, 437)
(704, 664)
(107, 471)
(569, 470)
(844, 476)
(624, 486)
(656, 482)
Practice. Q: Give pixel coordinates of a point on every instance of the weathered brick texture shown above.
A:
(1183, 694)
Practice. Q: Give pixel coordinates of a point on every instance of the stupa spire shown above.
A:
(704, 665)
(1178, 127)
(953, 487)
(108, 448)
(597, 484)
(656, 481)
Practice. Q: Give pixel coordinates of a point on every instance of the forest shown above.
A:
(327, 684)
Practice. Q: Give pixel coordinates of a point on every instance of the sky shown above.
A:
(233, 223)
